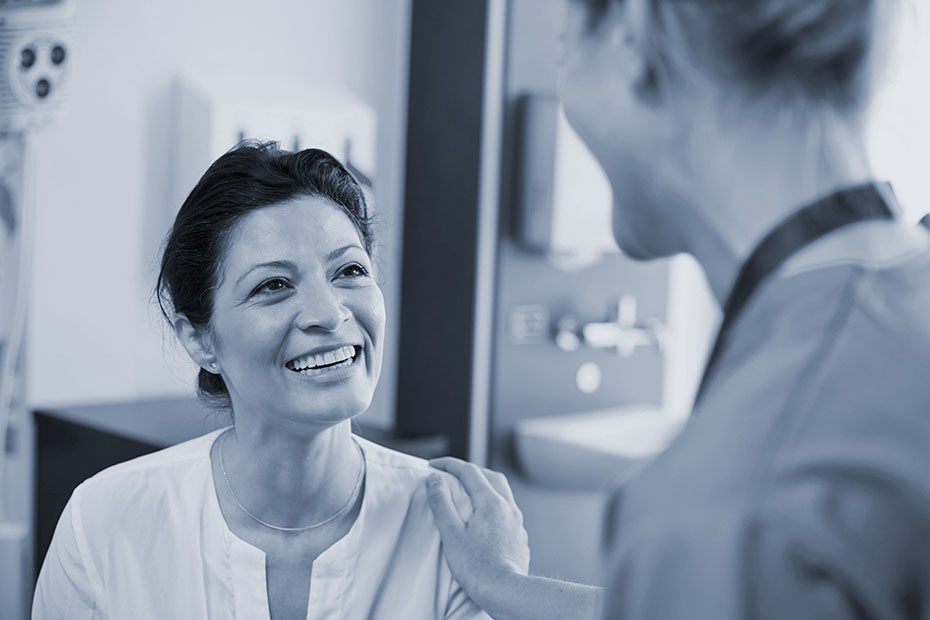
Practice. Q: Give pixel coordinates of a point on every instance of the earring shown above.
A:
(212, 364)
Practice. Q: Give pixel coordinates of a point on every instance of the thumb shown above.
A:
(447, 518)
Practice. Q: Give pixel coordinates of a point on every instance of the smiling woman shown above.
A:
(294, 287)
(223, 204)
(267, 281)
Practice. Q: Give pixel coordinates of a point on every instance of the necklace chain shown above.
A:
(342, 510)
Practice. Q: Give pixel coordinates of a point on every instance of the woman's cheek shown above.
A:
(371, 316)
(377, 314)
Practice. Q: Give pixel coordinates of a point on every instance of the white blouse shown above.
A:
(146, 539)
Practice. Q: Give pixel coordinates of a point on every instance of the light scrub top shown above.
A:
(800, 489)
(146, 539)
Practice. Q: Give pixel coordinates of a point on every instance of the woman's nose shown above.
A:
(323, 309)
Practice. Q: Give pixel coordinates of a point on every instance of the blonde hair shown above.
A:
(815, 51)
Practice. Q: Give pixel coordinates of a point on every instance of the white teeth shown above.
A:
(342, 354)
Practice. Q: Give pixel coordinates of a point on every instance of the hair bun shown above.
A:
(820, 45)
(813, 48)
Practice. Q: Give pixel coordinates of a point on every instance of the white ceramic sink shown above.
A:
(593, 450)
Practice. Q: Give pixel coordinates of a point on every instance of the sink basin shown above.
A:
(593, 450)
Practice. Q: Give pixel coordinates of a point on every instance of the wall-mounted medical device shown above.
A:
(217, 112)
(563, 198)
(35, 61)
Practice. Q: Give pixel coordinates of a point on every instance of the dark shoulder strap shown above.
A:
(865, 202)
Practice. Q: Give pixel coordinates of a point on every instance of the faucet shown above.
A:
(624, 333)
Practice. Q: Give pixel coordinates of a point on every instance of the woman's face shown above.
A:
(606, 99)
(298, 318)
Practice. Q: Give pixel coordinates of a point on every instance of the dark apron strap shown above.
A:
(857, 204)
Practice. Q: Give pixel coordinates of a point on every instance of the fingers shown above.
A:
(476, 484)
(447, 518)
(468, 473)
(500, 484)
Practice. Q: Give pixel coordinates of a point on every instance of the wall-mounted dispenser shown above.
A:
(35, 58)
(35, 62)
(564, 200)
(217, 112)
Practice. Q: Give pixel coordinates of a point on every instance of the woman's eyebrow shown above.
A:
(273, 263)
(337, 253)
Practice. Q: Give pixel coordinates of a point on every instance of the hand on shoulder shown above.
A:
(488, 547)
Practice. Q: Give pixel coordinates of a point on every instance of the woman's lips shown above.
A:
(332, 372)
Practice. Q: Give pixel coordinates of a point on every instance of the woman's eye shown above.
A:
(271, 286)
(354, 271)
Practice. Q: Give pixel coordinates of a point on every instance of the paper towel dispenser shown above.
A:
(564, 200)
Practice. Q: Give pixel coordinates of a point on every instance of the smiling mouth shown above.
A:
(328, 360)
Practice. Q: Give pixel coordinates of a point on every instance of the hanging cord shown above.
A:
(13, 348)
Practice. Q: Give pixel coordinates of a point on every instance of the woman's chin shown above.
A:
(632, 247)
(640, 246)
(321, 414)
(328, 399)
(634, 252)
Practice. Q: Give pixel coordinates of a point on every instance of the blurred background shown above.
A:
(518, 336)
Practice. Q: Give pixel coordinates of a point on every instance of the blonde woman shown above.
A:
(733, 130)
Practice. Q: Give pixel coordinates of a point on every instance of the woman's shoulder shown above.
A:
(382, 456)
(177, 471)
(406, 475)
(162, 461)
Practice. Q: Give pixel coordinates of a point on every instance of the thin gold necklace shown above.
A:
(336, 515)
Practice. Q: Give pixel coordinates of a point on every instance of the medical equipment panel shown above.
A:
(563, 199)
(214, 113)
(35, 61)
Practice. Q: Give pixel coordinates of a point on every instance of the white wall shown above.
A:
(104, 172)
(693, 318)
(899, 136)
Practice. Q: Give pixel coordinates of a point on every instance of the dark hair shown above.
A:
(251, 176)
(816, 50)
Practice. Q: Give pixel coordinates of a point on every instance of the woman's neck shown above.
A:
(758, 176)
(289, 479)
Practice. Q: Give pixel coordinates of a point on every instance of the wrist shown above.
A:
(501, 595)
(516, 596)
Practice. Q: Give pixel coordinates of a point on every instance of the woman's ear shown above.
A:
(628, 23)
(197, 342)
